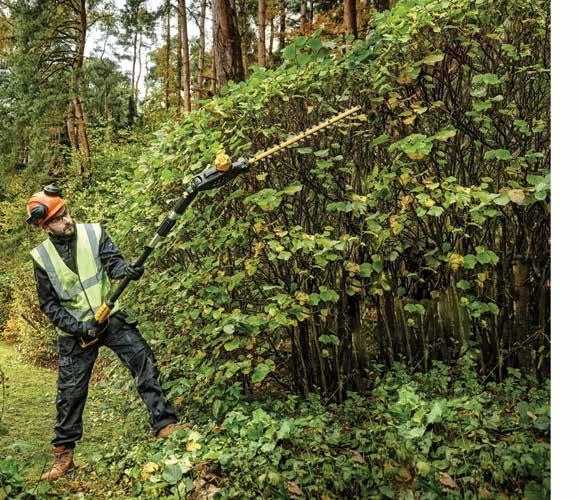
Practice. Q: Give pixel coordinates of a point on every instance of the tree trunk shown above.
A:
(168, 56)
(271, 34)
(227, 42)
(213, 72)
(350, 17)
(186, 61)
(71, 127)
(137, 80)
(262, 19)
(76, 120)
(303, 17)
(282, 23)
(133, 72)
(179, 68)
(201, 68)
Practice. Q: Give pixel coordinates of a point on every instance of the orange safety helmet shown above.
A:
(44, 205)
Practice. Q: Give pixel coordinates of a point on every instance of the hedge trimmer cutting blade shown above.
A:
(215, 176)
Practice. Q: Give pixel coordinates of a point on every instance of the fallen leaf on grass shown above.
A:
(356, 457)
(294, 489)
(447, 481)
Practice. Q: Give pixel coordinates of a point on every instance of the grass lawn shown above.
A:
(113, 412)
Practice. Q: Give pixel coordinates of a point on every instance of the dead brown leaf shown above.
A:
(294, 489)
(447, 481)
(357, 457)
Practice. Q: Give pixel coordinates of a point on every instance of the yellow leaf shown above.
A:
(352, 267)
(517, 196)
(404, 178)
(148, 469)
(415, 155)
(302, 297)
(409, 120)
(455, 261)
(357, 457)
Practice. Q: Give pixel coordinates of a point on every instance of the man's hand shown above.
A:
(91, 330)
(133, 272)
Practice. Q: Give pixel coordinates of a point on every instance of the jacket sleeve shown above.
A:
(111, 258)
(50, 304)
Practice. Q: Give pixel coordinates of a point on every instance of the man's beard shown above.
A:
(66, 231)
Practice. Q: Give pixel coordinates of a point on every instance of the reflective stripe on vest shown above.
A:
(80, 293)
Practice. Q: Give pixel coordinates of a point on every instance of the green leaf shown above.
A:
(294, 187)
(435, 211)
(365, 270)
(313, 299)
(497, 154)
(285, 430)
(232, 344)
(229, 328)
(415, 433)
(487, 257)
(432, 59)
(445, 134)
(470, 261)
(486, 79)
(328, 295)
(305, 151)
(435, 415)
(172, 474)
(380, 140)
(502, 200)
(261, 371)
(329, 339)
(464, 284)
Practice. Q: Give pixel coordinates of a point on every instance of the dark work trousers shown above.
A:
(75, 367)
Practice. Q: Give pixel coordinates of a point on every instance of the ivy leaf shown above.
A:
(435, 415)
(172, 474)
(261, 371)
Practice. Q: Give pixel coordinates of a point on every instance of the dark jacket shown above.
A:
(111, 259)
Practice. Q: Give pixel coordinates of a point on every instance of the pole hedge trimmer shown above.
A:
(212, 177)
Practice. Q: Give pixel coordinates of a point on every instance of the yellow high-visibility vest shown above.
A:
(82, 293)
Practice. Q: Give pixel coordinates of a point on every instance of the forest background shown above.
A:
(367, 314)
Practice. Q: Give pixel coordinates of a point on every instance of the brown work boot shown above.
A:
(62, 463)
(167, 430)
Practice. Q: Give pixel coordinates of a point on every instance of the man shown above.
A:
(73, 268)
